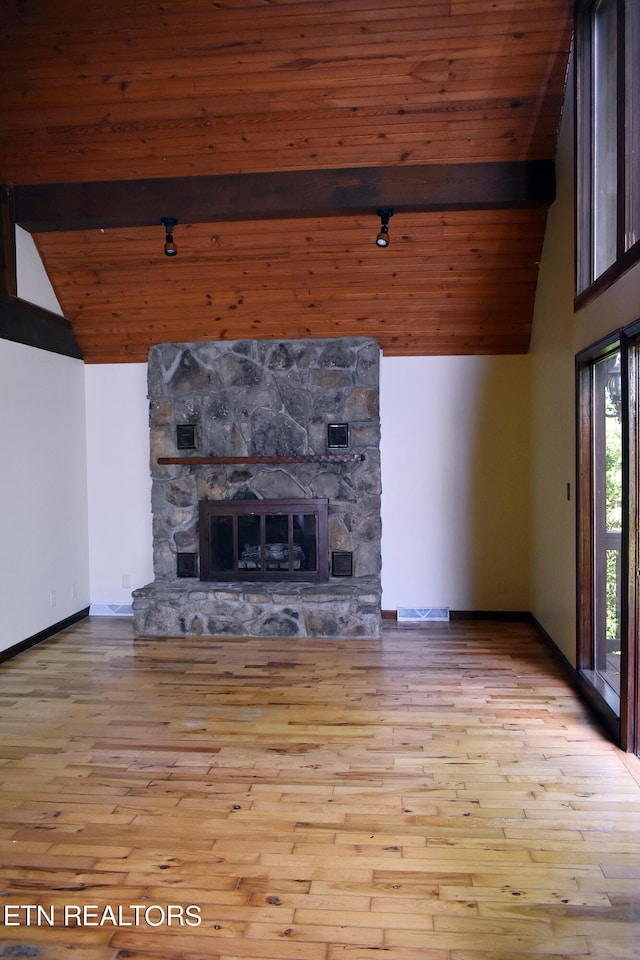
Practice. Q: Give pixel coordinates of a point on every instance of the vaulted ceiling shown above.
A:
(273, 130)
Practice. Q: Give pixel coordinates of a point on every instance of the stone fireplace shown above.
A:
(264, 539)
(254, 441)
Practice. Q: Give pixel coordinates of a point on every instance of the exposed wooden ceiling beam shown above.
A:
(21, 321)
(34, 326)
(8, 274)
(53, 207)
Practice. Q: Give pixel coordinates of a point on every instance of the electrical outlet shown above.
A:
(52, 598)
(126, 580)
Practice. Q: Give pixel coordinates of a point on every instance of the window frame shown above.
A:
(620, 715)
(602, 698)
(587, 286)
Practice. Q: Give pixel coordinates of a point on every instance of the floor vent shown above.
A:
(422, 614)
(111, 610)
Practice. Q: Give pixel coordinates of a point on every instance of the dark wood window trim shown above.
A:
(625, 262)
(589, 289)
(618, 714)
(631, 388)
(605, 703)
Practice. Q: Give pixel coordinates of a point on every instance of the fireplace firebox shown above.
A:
(264, 539)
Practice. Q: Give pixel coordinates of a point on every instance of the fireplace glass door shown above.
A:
(263, 540)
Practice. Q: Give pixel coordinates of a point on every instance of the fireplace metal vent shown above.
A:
(422, 614)
(342, 563)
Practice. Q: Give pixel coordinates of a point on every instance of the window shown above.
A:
(632, 127)
(607, 143)
(608, 544)
(600, 546)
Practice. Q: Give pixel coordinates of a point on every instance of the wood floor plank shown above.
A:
(439, 794)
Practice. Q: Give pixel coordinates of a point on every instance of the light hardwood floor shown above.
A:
(440, 794)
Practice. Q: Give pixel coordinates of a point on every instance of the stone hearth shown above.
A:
(258, 414)
(334, 609)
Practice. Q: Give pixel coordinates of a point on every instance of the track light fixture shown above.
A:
(170, 248)
(385, 213)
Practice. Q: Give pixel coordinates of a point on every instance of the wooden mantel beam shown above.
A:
(357, 191)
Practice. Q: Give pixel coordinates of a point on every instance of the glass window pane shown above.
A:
(607, 485)
(632, 123)
(605, 161)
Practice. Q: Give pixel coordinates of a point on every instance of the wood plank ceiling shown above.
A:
(272, 104)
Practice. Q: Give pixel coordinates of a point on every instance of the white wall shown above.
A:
(33, 282)
(454, 438)
(455, 482)
(44, 572)
(77, 523)
(552, 350)
(120, 534)
(558, 334)
(43, 491)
